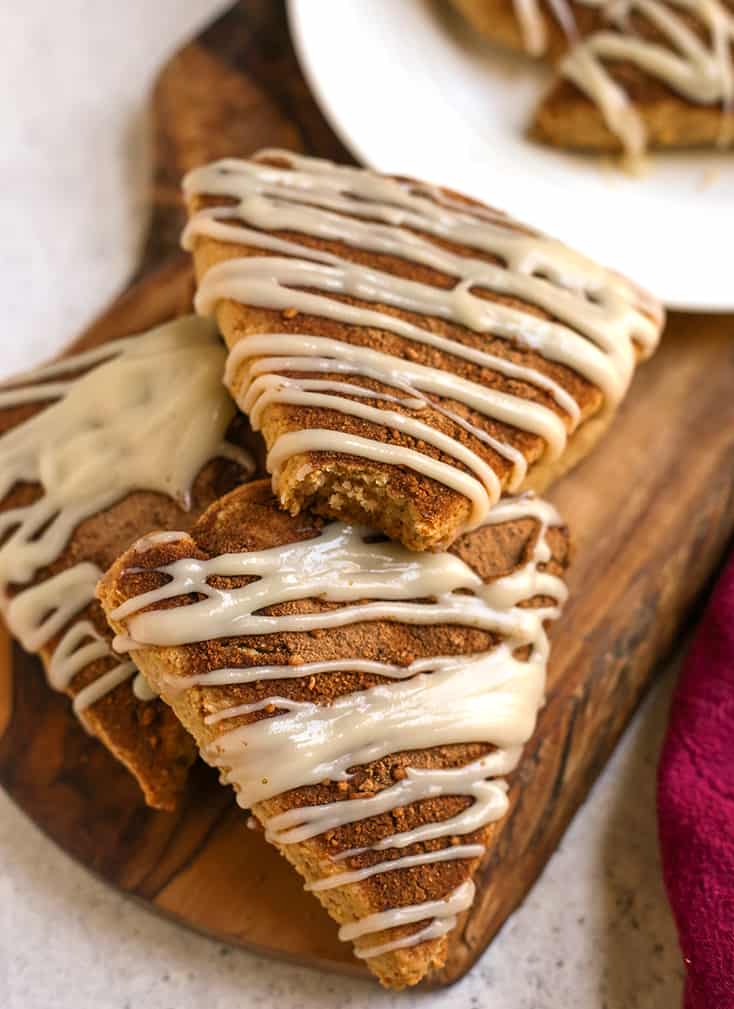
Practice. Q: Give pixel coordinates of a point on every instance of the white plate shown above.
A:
(409, 90)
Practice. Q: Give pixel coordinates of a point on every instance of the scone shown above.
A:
(654, 74)
(364, 701)
(95, 450)
(408, 354)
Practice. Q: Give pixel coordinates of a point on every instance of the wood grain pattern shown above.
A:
(651, 512)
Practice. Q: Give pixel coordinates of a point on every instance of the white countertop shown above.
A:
(595, 932)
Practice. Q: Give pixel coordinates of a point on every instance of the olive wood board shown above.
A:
(651, 512)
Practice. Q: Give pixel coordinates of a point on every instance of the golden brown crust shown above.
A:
(407, 506)
(144, 736)
(249, 519)
(568, 118)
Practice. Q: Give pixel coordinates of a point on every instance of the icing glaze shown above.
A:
(491, 696)
(161, 390)
(599, 322)
(533, 25)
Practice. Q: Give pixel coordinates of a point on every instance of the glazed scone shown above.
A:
(364, 701)
(408, 354)
(656, 74)
(96, 450)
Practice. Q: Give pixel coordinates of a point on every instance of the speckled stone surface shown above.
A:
(595, 933)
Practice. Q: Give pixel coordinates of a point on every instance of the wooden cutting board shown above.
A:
(651, 513)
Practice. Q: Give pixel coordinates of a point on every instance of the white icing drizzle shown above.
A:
(457, 851)
(339, 561)
(443, 912)
(162, 391)
(243, 674)
(262, 386)
(79, 647)
(159, 539)
(102, 686)
(491, 696)
(488, 697)
(437, 928)
(142, 688)
(700, 71)
(532, 26)
(490, 803)
(39, 613)
(599, 320)
(533, 21)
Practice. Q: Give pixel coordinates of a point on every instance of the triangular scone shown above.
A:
(96, 450)
(407, 354)
(542, 28)
(365, 701)
(661, 77)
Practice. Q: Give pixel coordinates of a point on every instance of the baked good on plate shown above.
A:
(95, 450)
(654, 74)
(408, 354)
(365, 701)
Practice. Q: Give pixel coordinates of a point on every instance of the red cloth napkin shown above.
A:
(696, 805)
